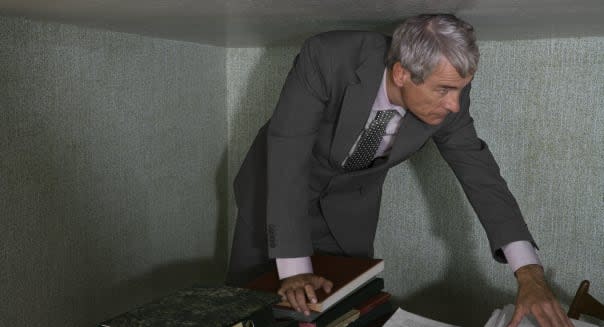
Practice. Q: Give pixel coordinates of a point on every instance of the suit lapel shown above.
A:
(356, 106)
(412, 134)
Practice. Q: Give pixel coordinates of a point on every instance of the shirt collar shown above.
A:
(382, 102)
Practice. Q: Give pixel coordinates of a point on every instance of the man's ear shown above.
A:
(400, 76)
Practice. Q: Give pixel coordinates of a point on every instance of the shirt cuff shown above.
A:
(519, 254)
(288, 267)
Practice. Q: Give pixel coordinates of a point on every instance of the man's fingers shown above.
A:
(568, 322)
(543, 320)
(301, 298)
(283, 294)
(291, 298)
(297, 299)
(310, 293)
(327, 286)
(551, 314)
(299, 290)
(516, 318)
(562, 318)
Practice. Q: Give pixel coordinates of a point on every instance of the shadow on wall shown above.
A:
(256, 95)
(78, 244)
(213, 271)
(464, 297)
(166, 278)
(83, 237)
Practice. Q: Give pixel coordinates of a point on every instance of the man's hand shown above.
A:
(535, 297)
(297, 289)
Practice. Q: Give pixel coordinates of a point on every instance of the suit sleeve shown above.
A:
(291, 135)
(474, 166)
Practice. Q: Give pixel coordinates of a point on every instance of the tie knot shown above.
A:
(385, 114)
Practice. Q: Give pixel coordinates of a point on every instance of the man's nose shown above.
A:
(452, 102)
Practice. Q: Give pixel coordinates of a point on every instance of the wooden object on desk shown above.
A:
(584, 303)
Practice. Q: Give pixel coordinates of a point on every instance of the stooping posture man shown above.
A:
(354, 105)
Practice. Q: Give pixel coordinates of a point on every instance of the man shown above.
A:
(354, 105)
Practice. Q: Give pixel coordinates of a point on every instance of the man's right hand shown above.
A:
(300, 289)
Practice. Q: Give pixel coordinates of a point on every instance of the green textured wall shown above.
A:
(112, 171)
(538, 104)
(113, 163)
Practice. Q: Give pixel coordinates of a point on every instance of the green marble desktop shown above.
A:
(201, 306)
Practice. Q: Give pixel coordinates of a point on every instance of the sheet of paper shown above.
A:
(501, 318)
(402, 318)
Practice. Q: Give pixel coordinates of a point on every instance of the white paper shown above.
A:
(402, 318)
(501, 318)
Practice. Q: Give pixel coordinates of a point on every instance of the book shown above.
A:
(202, 306)
(380, 321)
(501, 318)
(373, 302)
(369, 290)
(371, 317)
(346, 273)
(365, 308)
(345, 319)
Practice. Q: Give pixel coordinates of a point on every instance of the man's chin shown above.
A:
(434, 121)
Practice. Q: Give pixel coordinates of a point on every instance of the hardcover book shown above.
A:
(372, 317)
(321, 319)
(369, 307)
(373, 302)
(346, 273)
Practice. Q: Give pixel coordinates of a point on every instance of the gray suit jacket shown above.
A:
(293, 169)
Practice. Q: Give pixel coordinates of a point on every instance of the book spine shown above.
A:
(373, 302)
(384, 309)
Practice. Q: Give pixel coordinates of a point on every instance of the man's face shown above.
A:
(432, 100)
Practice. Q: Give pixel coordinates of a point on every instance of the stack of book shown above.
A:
(357, 298)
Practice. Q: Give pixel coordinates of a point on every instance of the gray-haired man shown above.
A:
(312, 179)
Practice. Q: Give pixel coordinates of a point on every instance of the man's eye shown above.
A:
(443, 91)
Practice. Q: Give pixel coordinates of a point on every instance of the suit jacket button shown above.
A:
(272, 237)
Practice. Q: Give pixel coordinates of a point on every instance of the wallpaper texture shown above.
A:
(111, 148)
(538, 104)
(118, 152)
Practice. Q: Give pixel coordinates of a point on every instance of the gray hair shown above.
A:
(420, 42)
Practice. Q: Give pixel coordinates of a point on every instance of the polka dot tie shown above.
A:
(362, 157)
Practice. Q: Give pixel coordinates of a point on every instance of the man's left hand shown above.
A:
(534, 297)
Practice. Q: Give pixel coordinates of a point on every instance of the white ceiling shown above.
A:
(272, 22)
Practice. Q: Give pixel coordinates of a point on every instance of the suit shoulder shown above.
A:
(346, 49)
(348, 39)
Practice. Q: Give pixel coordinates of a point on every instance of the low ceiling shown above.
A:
(240, 23)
